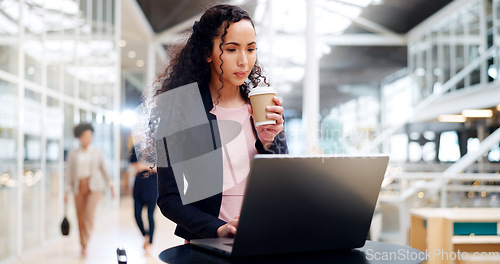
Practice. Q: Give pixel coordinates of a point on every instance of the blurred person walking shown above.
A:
(87, 177)
(145, 192)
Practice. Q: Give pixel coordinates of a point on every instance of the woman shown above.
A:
(145, 192)
(220, 56)
(86, 177)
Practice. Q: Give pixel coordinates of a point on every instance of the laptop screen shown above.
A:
(308, 203)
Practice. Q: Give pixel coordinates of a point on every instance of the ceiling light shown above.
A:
(123, 43)
(131, 54)
(139, 63)
(477, 113)
(498, 107)
(452, 118)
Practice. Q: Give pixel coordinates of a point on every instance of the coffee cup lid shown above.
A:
(261, 90)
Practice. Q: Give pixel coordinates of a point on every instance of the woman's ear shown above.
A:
(208, 58)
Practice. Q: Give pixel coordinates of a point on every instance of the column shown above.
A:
(151, 62)
(310, 108)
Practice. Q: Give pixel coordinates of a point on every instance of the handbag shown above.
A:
(65, 226)
(65, 223)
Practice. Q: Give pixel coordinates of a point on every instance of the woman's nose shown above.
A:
(242, 60)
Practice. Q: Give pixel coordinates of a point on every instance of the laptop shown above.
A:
(303, 204)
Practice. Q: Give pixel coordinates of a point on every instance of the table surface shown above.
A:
(371, 253)
(459, 214)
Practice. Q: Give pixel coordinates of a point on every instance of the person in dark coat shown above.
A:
(145, 193)
(221, 57)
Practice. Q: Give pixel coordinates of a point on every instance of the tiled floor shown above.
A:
(115, 229)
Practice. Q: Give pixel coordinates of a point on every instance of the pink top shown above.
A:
(237, 154)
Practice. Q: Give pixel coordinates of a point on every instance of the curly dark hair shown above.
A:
(82, 127)
(190, 65)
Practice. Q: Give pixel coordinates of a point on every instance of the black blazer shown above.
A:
(200, 219)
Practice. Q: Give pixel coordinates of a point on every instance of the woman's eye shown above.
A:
(231, 50)
(252, 49)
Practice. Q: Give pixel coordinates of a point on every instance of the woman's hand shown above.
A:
(267, 133)
(229, 229)
(152, 169)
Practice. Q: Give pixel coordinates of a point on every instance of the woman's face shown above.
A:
(86, 138)
(238, 54)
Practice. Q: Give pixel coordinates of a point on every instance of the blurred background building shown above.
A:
(417, 80)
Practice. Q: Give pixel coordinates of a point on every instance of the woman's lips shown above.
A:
(241, 74)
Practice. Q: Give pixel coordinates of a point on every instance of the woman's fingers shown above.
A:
(229, 229)
(233, 225)
(235, 221)
(277, 112)
(277, 117)
(277, 100)
(232, 230)
(275, 109)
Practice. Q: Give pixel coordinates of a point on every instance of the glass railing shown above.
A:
(454, 43)
(454, 51)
